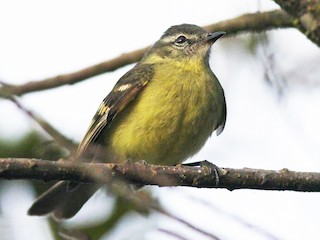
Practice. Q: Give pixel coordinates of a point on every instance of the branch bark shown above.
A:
(306, 16)
(205, 176)
(255, 22)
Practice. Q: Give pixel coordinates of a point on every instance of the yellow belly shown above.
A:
(169, 121)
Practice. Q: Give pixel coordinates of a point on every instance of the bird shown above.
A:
(161, 111)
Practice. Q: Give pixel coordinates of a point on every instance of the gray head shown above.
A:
(183, 41)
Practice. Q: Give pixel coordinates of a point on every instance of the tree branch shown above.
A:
(72, 78)
(254, 22)
(204, 176)
(306, 16)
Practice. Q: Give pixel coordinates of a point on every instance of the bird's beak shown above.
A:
(212, 37)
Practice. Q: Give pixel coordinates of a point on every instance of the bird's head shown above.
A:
(184, 41)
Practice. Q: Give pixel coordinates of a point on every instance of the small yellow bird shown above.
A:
(162, 111)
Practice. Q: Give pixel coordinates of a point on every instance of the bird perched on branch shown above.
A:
(162, 111)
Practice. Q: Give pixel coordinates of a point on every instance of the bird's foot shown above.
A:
(208, 166)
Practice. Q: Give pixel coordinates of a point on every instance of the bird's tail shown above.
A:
(62, 200)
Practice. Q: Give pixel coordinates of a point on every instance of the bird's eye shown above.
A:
(181, 39)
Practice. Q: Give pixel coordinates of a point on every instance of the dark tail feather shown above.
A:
(74, 200)
(62, 201)
(49, 200)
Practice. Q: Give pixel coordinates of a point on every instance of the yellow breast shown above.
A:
(172, 117)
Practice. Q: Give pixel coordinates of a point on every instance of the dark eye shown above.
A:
(181, 39)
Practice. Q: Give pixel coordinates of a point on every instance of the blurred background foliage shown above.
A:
(30, 145)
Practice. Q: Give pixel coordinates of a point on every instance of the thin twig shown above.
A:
(168, 232)
(59, 138)
(184, 222)
(238, 219)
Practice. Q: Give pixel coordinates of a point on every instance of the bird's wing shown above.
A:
(126, 90)
(223, 115)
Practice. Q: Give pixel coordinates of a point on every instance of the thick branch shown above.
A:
(306, 16)
(204, 176)
(255, 22)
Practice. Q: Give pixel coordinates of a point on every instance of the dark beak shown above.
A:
(212, 37)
